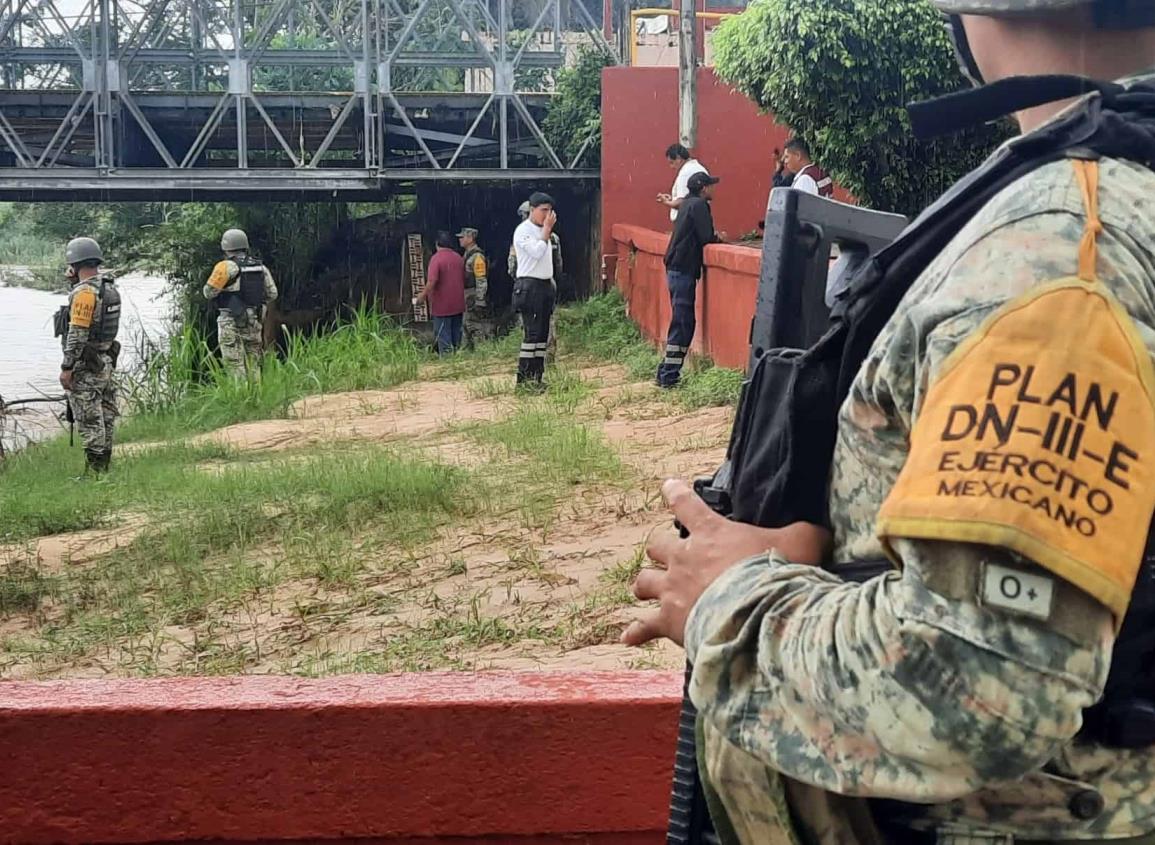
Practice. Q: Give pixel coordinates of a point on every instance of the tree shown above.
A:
(840, 74)
(575, 112)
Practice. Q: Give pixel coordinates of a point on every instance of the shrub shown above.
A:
(840, 73)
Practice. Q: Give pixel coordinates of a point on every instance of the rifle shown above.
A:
(799, 292)
(71, 420)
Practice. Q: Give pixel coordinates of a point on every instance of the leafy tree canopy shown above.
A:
(840, 74)
(575, 112)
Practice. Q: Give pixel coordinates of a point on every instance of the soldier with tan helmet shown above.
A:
(990, 456)
(88, 326)
(241, 286)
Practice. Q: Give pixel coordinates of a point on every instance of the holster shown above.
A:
(238, 311)
(90, 358)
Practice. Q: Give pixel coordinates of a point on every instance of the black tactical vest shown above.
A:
(794, 396)
(106, 323)
(105, 320)
(251, 285)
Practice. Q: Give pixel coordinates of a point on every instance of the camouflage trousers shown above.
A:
(93, 403)
(478, 324)
(241, 346)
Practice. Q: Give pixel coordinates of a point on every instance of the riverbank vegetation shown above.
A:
(364, 506)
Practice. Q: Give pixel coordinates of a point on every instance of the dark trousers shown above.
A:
(534, 299)
(683, 288)
(447, 330)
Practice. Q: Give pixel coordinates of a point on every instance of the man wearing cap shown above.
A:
(994, 684)
(693, 230)
(533, 289)
(555, 246)
(477, 326)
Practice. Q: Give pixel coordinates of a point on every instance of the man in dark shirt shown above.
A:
(693, 229)
(445, 293)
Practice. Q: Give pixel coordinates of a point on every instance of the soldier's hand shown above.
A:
(685, 568)
(66, 379)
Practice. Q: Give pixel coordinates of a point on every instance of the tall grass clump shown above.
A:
(185, 389)
(600, 327)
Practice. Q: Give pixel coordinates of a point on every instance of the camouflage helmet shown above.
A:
(523, 210)
(82, 249)
(234, 240)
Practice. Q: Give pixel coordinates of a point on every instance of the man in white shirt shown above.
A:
(679, 157)
(533, 291)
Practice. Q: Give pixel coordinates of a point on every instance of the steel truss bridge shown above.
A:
(227, 99)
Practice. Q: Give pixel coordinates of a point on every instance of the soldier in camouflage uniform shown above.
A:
(478, 322)
(88, 328)
(242, 287)
(957, 682)
(511, 264)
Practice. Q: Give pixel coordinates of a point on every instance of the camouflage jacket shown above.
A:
(84, 306)
(910, 686)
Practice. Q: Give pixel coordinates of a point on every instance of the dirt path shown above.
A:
(501, 589)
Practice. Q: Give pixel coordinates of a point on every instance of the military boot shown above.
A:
(105, 459)
(93, 461)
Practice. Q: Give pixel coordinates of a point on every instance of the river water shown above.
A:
(30, 355)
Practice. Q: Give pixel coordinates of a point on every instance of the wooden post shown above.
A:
(687, 74)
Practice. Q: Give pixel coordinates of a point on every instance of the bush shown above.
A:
(840, 73)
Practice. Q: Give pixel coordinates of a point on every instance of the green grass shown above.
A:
(170, 397)
(223, 541)
(710, 386)
(21, 245)
(561, 450)
(599, 328)
(315, 537)
(40, 492)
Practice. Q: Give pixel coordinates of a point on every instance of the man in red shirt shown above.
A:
(445, 293)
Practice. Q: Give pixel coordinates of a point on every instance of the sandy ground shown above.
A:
(485, 593)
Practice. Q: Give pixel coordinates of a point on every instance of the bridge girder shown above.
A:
(280, 97)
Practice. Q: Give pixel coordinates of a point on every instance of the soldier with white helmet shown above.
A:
(88, 326)
(241, 286)
(993, 454)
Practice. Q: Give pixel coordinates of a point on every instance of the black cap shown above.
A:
(700, 180)
(538, 198)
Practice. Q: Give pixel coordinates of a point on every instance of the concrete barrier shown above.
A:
(726, 293)
(530, 758)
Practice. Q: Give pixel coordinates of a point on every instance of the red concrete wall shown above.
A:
(640, 119)
(725, 300)
(531, 758)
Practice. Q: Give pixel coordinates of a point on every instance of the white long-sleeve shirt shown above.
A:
(534, 256)
(681, 188)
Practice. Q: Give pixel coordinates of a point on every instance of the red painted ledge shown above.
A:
(532, 758)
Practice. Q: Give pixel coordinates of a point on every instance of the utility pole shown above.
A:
(687, 74)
